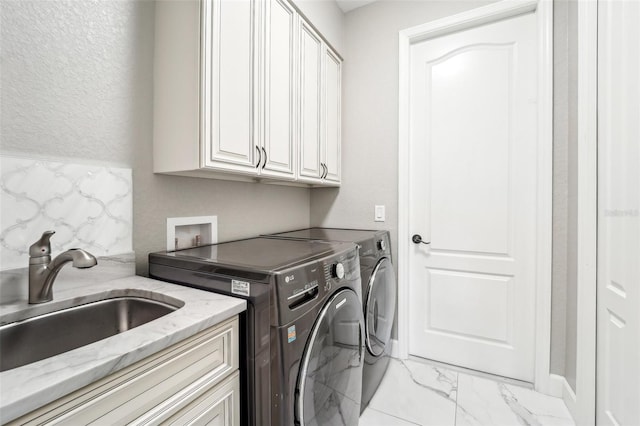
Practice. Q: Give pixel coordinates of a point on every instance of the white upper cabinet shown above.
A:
(244, 90)
(230, 77)
(310, 104)
(332, 114)
(280, 90)
(320, 109)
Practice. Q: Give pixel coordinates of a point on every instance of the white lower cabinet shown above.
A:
(194, 382)
(245, 90)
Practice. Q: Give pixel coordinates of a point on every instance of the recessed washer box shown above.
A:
(186, 232)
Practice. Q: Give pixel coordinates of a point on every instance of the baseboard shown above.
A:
(559, 387)
(569, 398)
(554, 386)
(395, 348)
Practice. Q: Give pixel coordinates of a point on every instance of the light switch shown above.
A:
(379, 214)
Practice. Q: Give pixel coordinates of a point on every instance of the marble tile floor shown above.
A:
(415, 392)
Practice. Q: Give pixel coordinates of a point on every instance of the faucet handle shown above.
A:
(42, 247)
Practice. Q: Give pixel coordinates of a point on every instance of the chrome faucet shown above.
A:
(43, 271)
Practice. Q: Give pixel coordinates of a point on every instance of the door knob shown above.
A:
(417, 239)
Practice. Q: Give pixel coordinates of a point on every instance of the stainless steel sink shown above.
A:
(33, 339)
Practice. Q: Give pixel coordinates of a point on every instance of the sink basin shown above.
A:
(43, 336)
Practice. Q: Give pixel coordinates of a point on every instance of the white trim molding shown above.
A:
(557, 385)
(568, 396)
(394, 348)
(582, 400)
(543, 381)
(479, 16)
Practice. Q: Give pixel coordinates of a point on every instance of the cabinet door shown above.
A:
(310, 98)
(332, 115)
(280, 90)
(229, 84)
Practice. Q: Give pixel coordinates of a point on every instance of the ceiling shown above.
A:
(347, 5)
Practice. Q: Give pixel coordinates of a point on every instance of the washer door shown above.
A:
(329, 385)
(380, 306)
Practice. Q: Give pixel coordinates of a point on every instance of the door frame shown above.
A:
(581, 401)
(543, 381)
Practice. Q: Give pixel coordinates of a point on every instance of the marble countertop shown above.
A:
(29, 387)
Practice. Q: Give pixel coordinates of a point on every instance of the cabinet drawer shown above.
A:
(128, 394)
(219, 405)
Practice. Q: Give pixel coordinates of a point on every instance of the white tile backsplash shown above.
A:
(89, 206)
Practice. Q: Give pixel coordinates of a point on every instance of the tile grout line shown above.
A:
(394, 416)
(472, 372)
(455, 414)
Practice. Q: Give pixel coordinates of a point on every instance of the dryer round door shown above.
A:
(380, 307)
(329, 385)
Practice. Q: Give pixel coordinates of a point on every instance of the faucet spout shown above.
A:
(80, 258)
(43, 272)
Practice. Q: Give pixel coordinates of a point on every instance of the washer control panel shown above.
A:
(301, 287)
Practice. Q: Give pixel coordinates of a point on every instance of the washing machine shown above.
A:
(378, 292)
(302, 336)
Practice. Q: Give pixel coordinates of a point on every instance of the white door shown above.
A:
(473, 196)
(618, 305)
(278, 149)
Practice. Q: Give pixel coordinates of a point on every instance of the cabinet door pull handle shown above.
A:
(265, 157)
(322, 172)
(259, 157)
(326, 171)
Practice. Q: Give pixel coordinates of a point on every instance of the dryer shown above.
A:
(302, 336)
(378, 292)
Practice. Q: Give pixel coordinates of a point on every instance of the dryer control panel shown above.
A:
(373, 248)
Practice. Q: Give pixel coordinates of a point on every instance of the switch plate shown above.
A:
(379, 214)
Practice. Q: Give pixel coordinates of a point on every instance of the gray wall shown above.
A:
(73, 78)
(571, 308)
(77, 84)
(327, 17)
(560, 184)
(565, 188)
